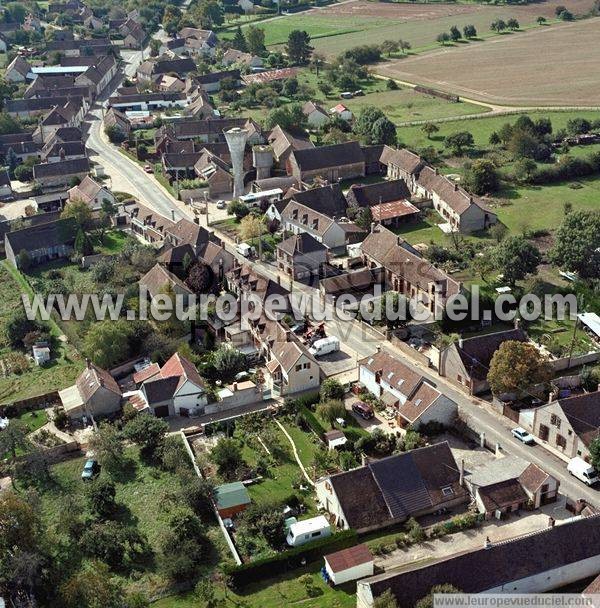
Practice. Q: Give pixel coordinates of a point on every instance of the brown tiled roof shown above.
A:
(349, 558)
(388, 211)
(476, 353)
(250, 280)
(593, 587)
(398, 486)
(532, 478)
(583, 413)
(301, 244)
(183, 369)
(324, 157)
(393, 371)
(191, 233)
(281, 140)
(146, 373)
(405, 159)
(94, 377)
(365, 508)
(368, 195)
(502, 494)
(328, 200)
(176, 255)
(158, 277)
(422, 399)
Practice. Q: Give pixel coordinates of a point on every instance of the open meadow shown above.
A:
(544, 66)
(338, 27)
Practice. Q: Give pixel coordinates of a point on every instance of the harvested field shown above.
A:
(545, 66)
(338, 27)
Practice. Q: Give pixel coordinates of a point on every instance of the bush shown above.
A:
(288, 560)
(331, 389)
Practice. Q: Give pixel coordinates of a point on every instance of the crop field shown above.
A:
(544, 66)
(339, 27)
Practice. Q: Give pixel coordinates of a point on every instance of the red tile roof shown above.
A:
(349, 558)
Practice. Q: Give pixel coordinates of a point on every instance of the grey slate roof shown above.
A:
(336, 155)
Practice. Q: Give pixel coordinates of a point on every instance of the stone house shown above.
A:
(406, 271)
(414, 400)
(301, 256)
(332, 163)
(95, 393)
(389, 491)
(467, 361)
(569, 425)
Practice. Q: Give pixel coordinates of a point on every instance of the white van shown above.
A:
(246, 250)
(583, 470)
(324, 346)
(302, 532)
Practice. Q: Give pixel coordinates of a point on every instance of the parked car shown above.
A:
(364, 410)
(299, 328)
(221, 205)
(148, 169)
(522, 435)
(91, 468)
(583, 470)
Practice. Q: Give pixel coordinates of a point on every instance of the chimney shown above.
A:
(378, 347)
(62, 153)
(436, 171)
(498, 451)
(487, 543)
(471, 200)
(460, 342)
(234, 386)
(461, 479)
(288, 336)
(197, 220)
(278, 280)
(373, 227)
(455, 187)
(88, 363)
(551, 522)
(173, 214)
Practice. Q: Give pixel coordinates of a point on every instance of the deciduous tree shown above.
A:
(516, 366)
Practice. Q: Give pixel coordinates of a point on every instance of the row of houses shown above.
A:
(461, 211)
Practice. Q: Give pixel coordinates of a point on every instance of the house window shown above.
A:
(298, 368)
(295, 214)
(306, 366)
(555, 420)
(447, 491)
(543, 432)
(561, 442)
(569, 432)
(315, 224)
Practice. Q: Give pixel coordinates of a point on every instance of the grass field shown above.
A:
(59, 373)
(526, 76)
(144, 492)
(341, 26)
(286, 590)
(519, 207)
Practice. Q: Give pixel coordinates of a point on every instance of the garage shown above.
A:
(161, 411)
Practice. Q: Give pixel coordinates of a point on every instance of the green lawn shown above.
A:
(112, 243)
(144, 492)
(34, 420)
(65, 365)
(405, 105)
(481, 128)
(278, 485)
(285, 590)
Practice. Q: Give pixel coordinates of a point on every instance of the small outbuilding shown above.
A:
(231, 499)
(349, 564)
(334, 439)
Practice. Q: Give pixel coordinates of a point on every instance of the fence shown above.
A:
(571, 362)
